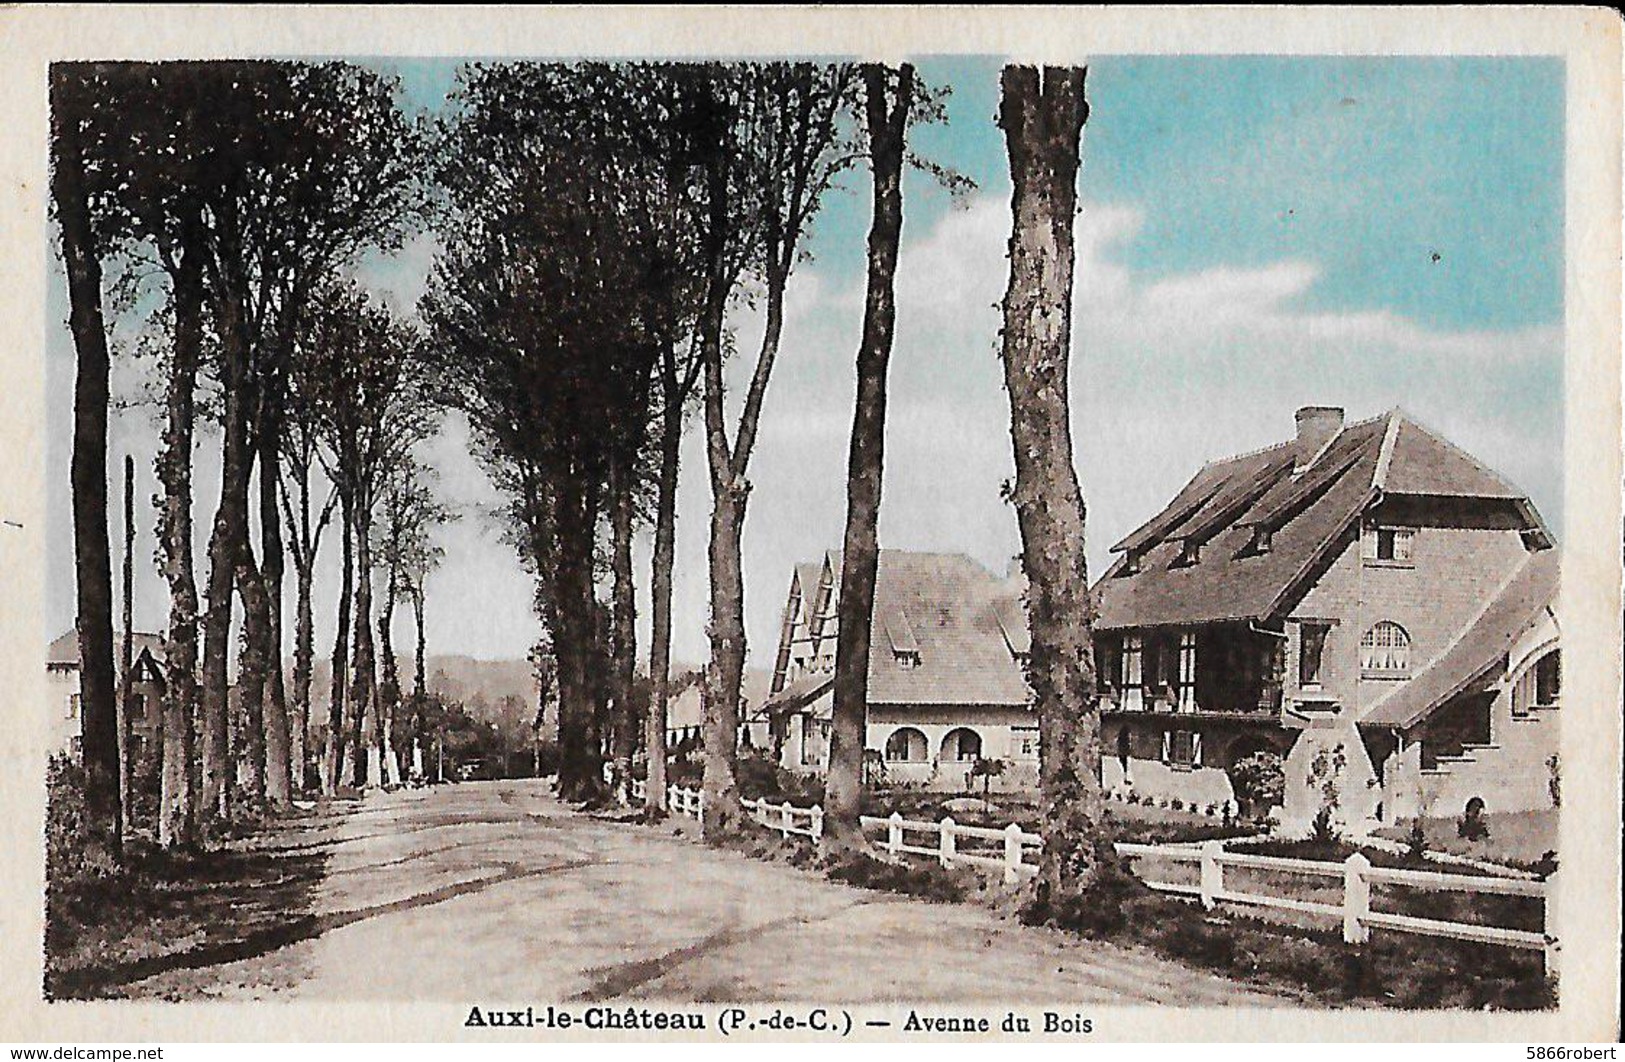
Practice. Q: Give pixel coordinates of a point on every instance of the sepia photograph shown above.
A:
(863, 539)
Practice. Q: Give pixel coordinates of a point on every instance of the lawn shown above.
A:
(1515, 838)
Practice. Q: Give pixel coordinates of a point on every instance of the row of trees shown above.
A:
(597, 224)
(249, 191)
(602, 222)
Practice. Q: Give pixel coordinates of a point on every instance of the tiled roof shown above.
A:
(64, 649)
(1479, 650)
(1306, 515)
(942, 609)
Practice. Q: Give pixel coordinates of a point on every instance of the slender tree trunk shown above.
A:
(252, 672)
(363, 689)
(1042, 120)
(177, 812)
(662, 563)
(278, 761)
(215, 795)
(420, 659)
(860, 558)
(623, 636)
(419, 666)
(333, 775)
(93, 564)
(228, 550)
(389, 684)
(304, 653)
(127, 658)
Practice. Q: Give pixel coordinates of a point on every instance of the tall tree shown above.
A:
(366, 378)
(773, 146)
(888, 99)
(1042, 116)
(307, 522)
(74, 91)
(406, 552)
(549, 303)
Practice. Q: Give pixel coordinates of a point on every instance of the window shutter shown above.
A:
(1196, 750)
(1167, 746)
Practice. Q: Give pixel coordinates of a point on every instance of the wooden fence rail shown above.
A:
(1005, 851)
(1354, 910)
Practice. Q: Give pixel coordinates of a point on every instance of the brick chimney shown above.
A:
(1317, 426)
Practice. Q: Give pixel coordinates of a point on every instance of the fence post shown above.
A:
(699, 805)
(894, 833)
(1212, 881)
(945, 851)
(1554, 946)
(1356, 899)
(817, 823)
(1012, 854)
(784, 819)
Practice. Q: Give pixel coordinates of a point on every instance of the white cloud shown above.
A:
(1169, 372)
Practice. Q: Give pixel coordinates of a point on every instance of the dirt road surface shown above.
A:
(494, 891)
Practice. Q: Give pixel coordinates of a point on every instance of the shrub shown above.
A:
(929, 881)
(1471, 826)
(1102, 911)
(1177, 804)
(1259, 782)
(1416, 843)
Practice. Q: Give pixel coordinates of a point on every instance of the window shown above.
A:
(1262, 537)
(1311, 652)
(907, 658)
(1131, 562)
(961, 745)
(1190, 551)
(1133, 697)
(1024, 740)
(1108, 653)
(1385, 650)
(1548, 679)
(1540, 686)
(1182, 748)
(905, 745)
(1388, 544)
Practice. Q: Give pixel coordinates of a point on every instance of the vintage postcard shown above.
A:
(920, 524)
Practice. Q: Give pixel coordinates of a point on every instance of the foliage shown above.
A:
(1259, 782)
(1416, 841)
(1326, 773)
(760, 776)
(927, 881)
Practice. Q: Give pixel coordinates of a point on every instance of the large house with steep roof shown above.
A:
(946, 680)
(1366, 600)
(146, 690)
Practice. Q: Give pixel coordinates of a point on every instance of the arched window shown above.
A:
(961, 745)
(1386, 649)
(905, 744)
(1540, 686)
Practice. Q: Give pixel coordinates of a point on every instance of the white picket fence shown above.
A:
(1005, 851)
(1357, 876)
(1000, 850)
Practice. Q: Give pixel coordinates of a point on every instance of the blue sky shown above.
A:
(1257, 233)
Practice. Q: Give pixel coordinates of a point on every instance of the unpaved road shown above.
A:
(494, 892)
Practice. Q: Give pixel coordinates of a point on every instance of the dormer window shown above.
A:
(1190, 551)
(1388, 545)
(1262, 537)
(906, 658)
(1131, 563)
